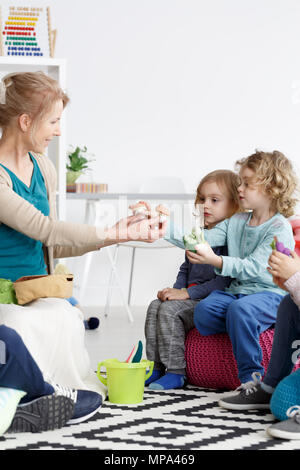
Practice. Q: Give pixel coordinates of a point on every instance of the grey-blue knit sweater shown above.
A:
(203, 275)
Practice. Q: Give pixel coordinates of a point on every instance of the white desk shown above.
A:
(133, 196)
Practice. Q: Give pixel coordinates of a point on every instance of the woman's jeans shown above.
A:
(18, 370)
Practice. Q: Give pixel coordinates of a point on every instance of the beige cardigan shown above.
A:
(293, 286)
(60, 239)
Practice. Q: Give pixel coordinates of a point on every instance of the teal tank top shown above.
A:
(21, 255)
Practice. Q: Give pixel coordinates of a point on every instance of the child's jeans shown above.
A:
(244, 318)
(167, 324)
(18, 370)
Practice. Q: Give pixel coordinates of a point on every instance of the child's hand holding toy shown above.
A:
(205, 255)
(198, 251)
(283, 266)
(283, 263)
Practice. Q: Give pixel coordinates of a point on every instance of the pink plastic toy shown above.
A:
(296, 231)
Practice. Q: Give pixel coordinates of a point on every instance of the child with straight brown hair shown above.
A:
(170, 316)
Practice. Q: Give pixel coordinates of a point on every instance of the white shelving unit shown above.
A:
(56, 68)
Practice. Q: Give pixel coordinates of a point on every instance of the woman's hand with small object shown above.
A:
(146, 205)
(205, 255)
(136, 228)
(172, 294)
(283, 266)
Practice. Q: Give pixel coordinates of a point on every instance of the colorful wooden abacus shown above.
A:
(26, 31)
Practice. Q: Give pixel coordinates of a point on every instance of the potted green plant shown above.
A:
(77, 163)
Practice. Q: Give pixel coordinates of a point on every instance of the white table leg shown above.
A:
(118, 281)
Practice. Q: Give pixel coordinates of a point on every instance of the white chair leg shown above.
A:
(119, 284)
(131, 274)
(110, 283)
(92, 206)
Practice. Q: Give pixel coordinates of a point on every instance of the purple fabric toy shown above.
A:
(275, 245)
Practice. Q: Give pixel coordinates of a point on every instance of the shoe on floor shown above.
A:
(86, 403)
(289, 428)
(251, 396)
(45, 413)
(92, 323)
(9, 400)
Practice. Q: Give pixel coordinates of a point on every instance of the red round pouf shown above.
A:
(210, 362)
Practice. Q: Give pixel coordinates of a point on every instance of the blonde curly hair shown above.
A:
(275, 173)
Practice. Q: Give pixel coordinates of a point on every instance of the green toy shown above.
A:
(195, 238)
(7, 292)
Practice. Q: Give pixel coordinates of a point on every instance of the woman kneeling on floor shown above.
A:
(51, 329)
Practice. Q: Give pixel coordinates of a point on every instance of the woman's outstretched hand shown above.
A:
(135, 228)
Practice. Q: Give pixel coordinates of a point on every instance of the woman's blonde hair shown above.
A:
(274, 173)
(228, 181)
(32, 93)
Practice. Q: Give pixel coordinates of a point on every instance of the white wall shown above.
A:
(175, 87)
(181, 87)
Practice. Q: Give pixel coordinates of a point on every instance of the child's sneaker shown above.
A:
(251, 396)
(9, 399)
(45, 413)
(86, 403)
(288, 429)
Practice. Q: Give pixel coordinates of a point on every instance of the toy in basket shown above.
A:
(136, 353)
(126, 380)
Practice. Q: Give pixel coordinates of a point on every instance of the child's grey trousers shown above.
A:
(167, 324)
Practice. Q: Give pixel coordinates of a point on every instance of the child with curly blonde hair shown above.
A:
(249, 305)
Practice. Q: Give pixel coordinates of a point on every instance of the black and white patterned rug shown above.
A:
(188, 419)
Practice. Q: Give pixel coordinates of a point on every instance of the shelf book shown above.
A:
(90, 188)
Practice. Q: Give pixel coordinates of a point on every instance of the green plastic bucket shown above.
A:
(125, 381)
